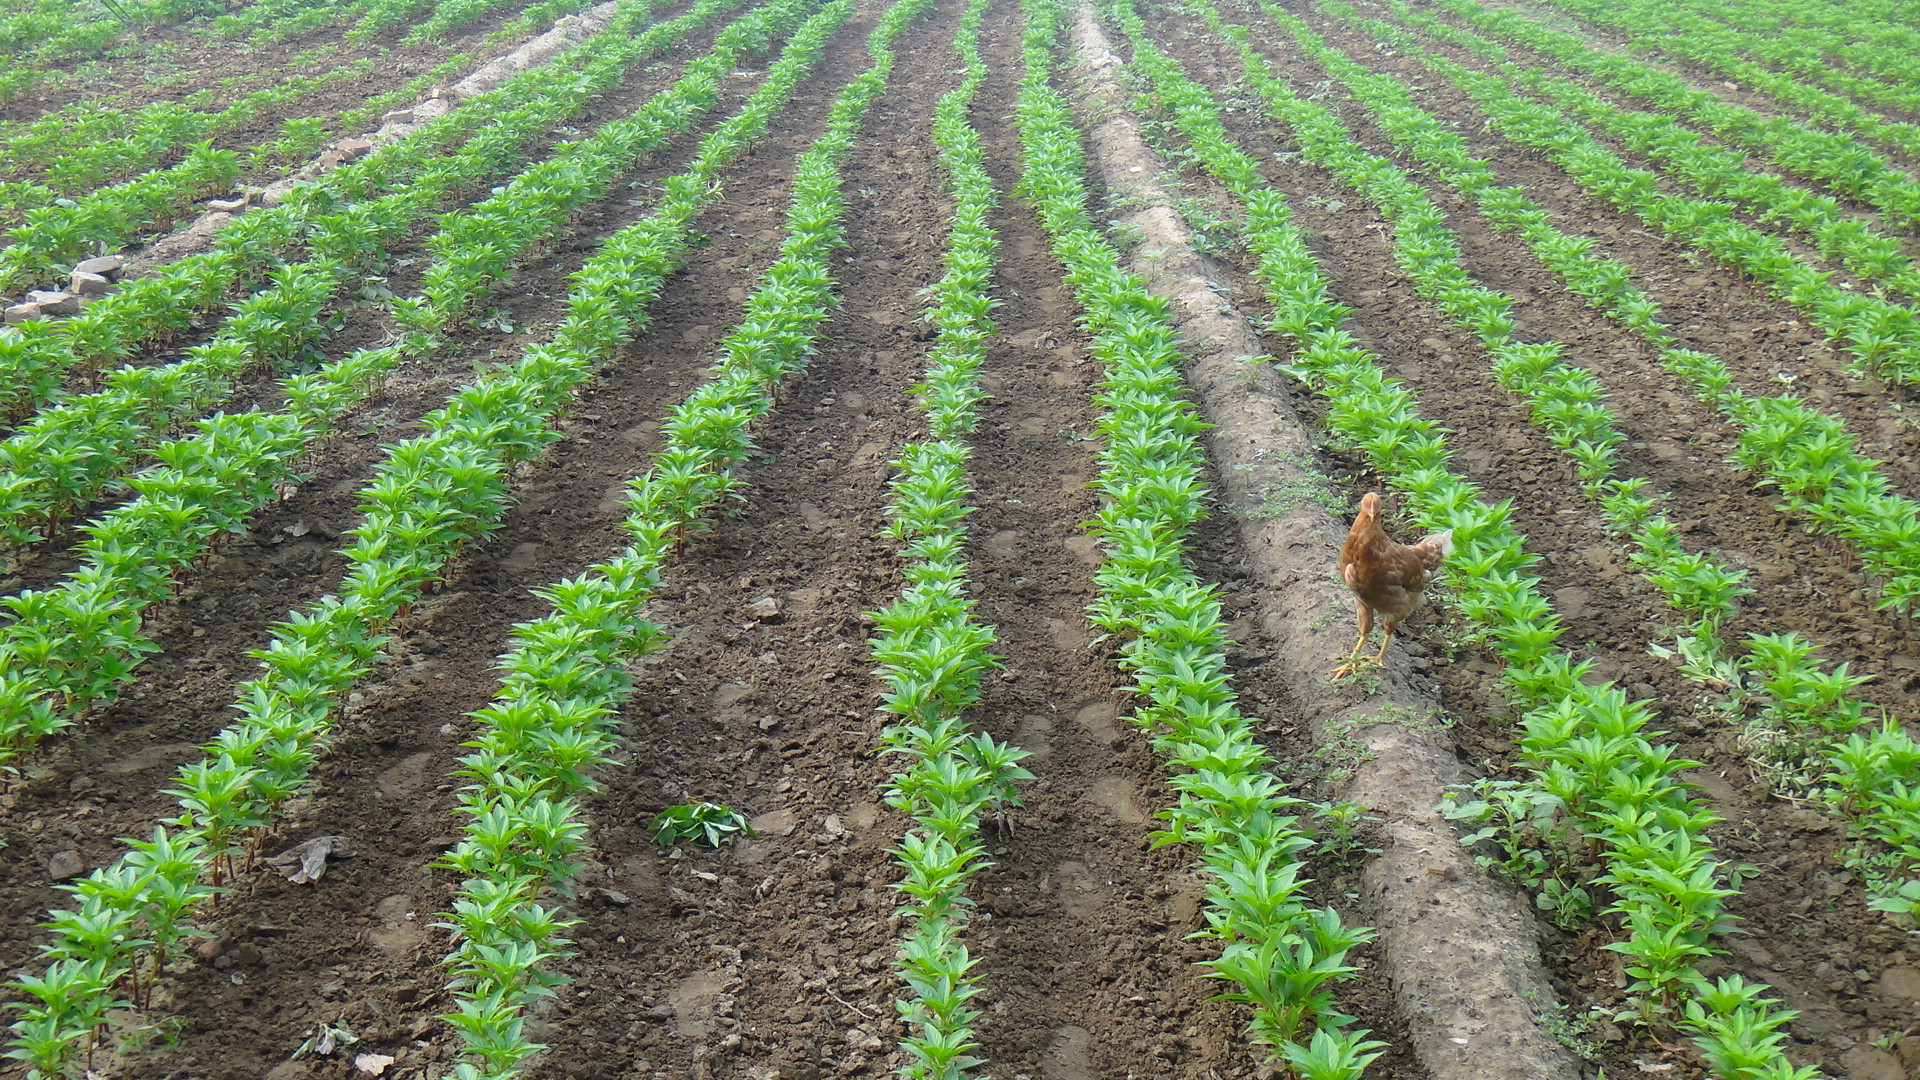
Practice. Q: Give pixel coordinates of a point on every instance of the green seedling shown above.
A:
(705, 823)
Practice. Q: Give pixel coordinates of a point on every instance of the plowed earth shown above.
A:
(772, 958)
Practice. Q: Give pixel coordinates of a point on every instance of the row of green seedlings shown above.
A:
(932, 651)
(1714, 171)
(1862, 34)
(451, 15)
(72, 646)
(37, 41)
(378, 16)
(549, 727)
(1822, 740)
(1882, 336)
(42, 248)
(1836, 159)
(431, 495)
(479, 245)
(325, 238)
(272, 21)
(1807, 454)
(68, 155)
(1772, 51)
(1585, 744)
(1876, 804)
(1729, 60)
(268, 21)
(1280, 955)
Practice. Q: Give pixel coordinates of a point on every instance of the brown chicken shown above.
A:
(1385, 577)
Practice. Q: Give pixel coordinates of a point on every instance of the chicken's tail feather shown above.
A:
(1435, 548)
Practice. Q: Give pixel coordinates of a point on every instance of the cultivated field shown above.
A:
(793, 539)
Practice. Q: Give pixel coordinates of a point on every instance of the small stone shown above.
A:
(1900, 982)
(227, 206)
(84, 284)
(439, 93)
(105, 265)
(766, 607)
(353, 148)
(399, 116)
(20, 313)
(1868, 1062)
(66, 864)
(55, 303)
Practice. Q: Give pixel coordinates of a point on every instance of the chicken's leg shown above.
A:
(1386, 635)
(1366, 627)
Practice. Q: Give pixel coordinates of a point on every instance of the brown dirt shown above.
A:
(772, 958)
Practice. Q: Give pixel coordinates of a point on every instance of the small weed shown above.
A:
(1125, 235)
(705, 823)
(1338, 825)
(1341, 754)
(1581, 1033)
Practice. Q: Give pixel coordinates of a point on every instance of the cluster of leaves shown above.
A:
(1882, 336)
(1850, 34)
(932, 652)
(452, 16)
(1280, 954)
(375, 16)
(71, 646)
(1868, 769)
(1567, 401)
(1835, 158)
(1594, 765)
(1719, 173)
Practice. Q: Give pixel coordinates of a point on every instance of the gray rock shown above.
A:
(399, 116)
(105, 265)
(55, 302)
(66, 864)
(85, 284)
(20, 313)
